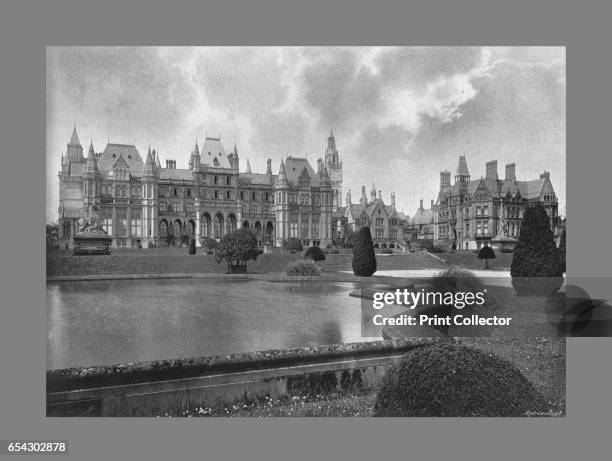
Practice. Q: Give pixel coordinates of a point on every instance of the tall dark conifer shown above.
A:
(364, 259)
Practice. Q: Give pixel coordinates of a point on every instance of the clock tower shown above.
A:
(334, 167)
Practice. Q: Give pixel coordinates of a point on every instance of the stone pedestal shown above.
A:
(92, 243)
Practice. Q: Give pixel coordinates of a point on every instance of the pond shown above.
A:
(119, 321)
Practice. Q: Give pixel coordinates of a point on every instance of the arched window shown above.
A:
(163, 229)
(205, 225)
(176, 228)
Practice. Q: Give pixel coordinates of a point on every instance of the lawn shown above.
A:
(176, 260)
(469, 260)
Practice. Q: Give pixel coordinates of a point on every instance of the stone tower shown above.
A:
(334, 169)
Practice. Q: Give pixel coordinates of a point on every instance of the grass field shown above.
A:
(176, 260)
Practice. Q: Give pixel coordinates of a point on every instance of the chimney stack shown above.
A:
(510, 172)
(393, 199)
(380, 195)
(492, 169)
(432, 205)
(269, 167)
(421, 206)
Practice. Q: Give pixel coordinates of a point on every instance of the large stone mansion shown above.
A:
(471, 213)
(143, 204)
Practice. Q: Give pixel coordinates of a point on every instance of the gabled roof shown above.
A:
(294, 167)
(130, 154)
(422, 217)
(213, 149)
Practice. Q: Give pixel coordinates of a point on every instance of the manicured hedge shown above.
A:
(446, 379)
(314, 253)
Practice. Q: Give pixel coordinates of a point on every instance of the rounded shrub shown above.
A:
(364, 259)
(192, 247)
(446, 379)
(536, 267)
(303, 267)
(314, 253)
(486, 253)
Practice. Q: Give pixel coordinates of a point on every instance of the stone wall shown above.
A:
(146, 389)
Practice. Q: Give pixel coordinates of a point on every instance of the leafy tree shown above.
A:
(364, 259)
(238, 247)
(314, 253)
(192, 247)
(52, 234)
(486, 253)
(536, 268)
(209, 244)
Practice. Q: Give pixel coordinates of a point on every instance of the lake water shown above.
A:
(107, 322)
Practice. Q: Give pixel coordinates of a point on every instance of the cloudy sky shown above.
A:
(400, 115)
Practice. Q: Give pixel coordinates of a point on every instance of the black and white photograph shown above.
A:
(275, 231)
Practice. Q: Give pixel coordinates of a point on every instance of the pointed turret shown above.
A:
(194, 160)
(248, 168)
(157, 162)
(463, 174)
(74, 149)
(149, 164)
(74, 139)
(281, 181)
(364, 198)
(91, 164)
(373, 193)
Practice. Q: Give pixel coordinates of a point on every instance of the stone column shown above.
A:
(198, 230)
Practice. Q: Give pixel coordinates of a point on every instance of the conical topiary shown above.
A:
(536, 268)
(364, 259)
(192, 247)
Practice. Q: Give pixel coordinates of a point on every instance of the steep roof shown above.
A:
(294, 167)
(130, 154)
(422, 217)
(213, 153)
(462, 169)
(75, 137)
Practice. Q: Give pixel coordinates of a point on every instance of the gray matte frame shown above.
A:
(25, 29)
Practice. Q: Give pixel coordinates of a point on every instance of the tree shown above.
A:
(486, 253)
(52, 235)
(536, 268)
(209, 244)
(314, 253)
(192, 247)
(364, 259)
(237, 248)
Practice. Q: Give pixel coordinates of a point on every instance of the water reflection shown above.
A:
(105, 322)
